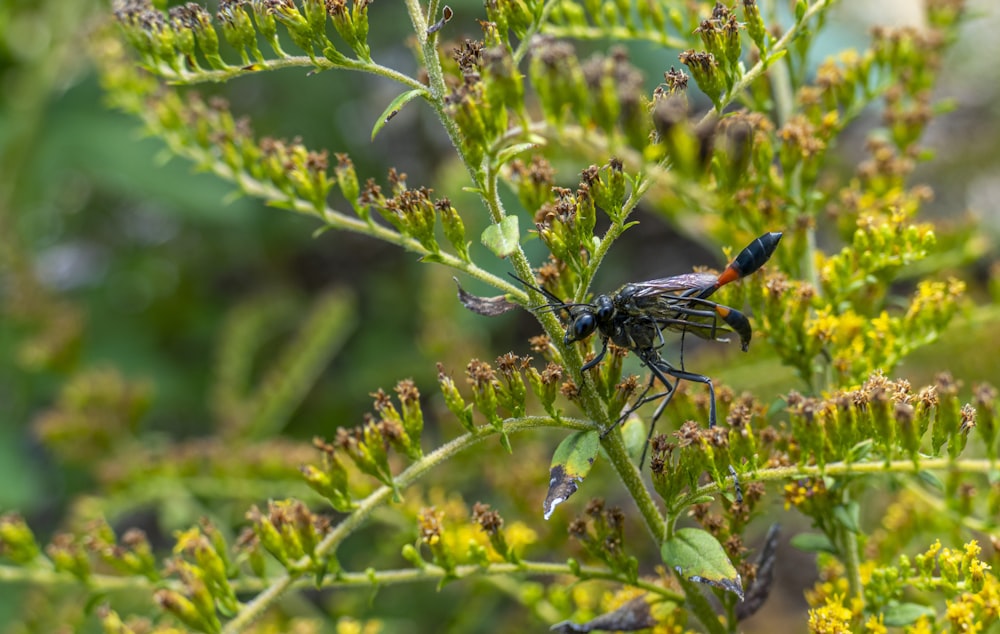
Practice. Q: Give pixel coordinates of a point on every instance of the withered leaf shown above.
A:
(487, 306)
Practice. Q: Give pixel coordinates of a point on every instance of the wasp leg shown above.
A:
(694, 378)
(639, 402)
(666, 396)
(597, 359)
(659, 369)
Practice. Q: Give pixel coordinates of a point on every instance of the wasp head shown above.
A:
(589, 317)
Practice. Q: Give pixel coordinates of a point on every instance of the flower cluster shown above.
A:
(183, 41)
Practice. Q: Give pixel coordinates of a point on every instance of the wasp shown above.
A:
(635, 316)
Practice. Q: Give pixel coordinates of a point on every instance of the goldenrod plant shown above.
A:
(890, 491)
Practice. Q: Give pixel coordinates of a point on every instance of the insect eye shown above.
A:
(605, 308)
(581, 327)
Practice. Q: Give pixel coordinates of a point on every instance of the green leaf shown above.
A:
(393, 109)
(502, 238)
(800, 9)
(634, 437)
(506, 154)
(860, 451)
(697, 556)
(813, 543)
(905, 614)
(931, 480)
(570, 465)
(849, 516)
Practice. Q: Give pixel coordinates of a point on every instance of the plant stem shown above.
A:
(852, 565)
(252, 610)
(981, 466)
(700, 606)
(192, 77)
(632, 479)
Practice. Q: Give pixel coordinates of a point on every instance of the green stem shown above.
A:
(700, 606)
(852, 565)
(632, 479)
(46, 576)
(186, 77)
(525, 44)
(981, 466)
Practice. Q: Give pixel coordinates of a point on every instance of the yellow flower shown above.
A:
(876, 625)
(519, 535)
(922, 626)
(795, 494)
(832, 618)
(962, 614)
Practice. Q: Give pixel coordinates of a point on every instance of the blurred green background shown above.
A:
(113, 256)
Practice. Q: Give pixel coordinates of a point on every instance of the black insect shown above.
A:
(635, 316)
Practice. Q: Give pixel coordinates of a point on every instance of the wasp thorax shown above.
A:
(605, 308)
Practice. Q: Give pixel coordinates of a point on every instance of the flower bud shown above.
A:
(755, 24)
(453, 399)
(706, 73)
(199, 21)
(454, 228)
(68, 555)
(183, 609)
(17, 542)
(268, 535)
(266, 25)
(238, 30)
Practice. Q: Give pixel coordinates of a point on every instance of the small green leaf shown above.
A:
(931, 480)
(849, 516)
(860, 451)
(570, 465)
(393, 109)
(506, 154)
(905, 614)
(800, 9)
(813, 543)
(502, 238)
(634, 436)
(697, 556)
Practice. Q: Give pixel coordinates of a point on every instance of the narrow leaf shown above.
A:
(697, 556)
(849, 516)
(508, 153)
(486, 306)
(813, 543)
(570, 465)
(502, 238)
(393, 109)
(931, 480)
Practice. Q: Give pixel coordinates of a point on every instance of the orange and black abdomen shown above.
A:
(749, 260)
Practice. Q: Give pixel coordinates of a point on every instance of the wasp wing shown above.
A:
(680, 286)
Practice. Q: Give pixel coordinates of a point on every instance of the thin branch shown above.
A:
(252, 610)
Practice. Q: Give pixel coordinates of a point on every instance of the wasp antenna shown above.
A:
(556, 302)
